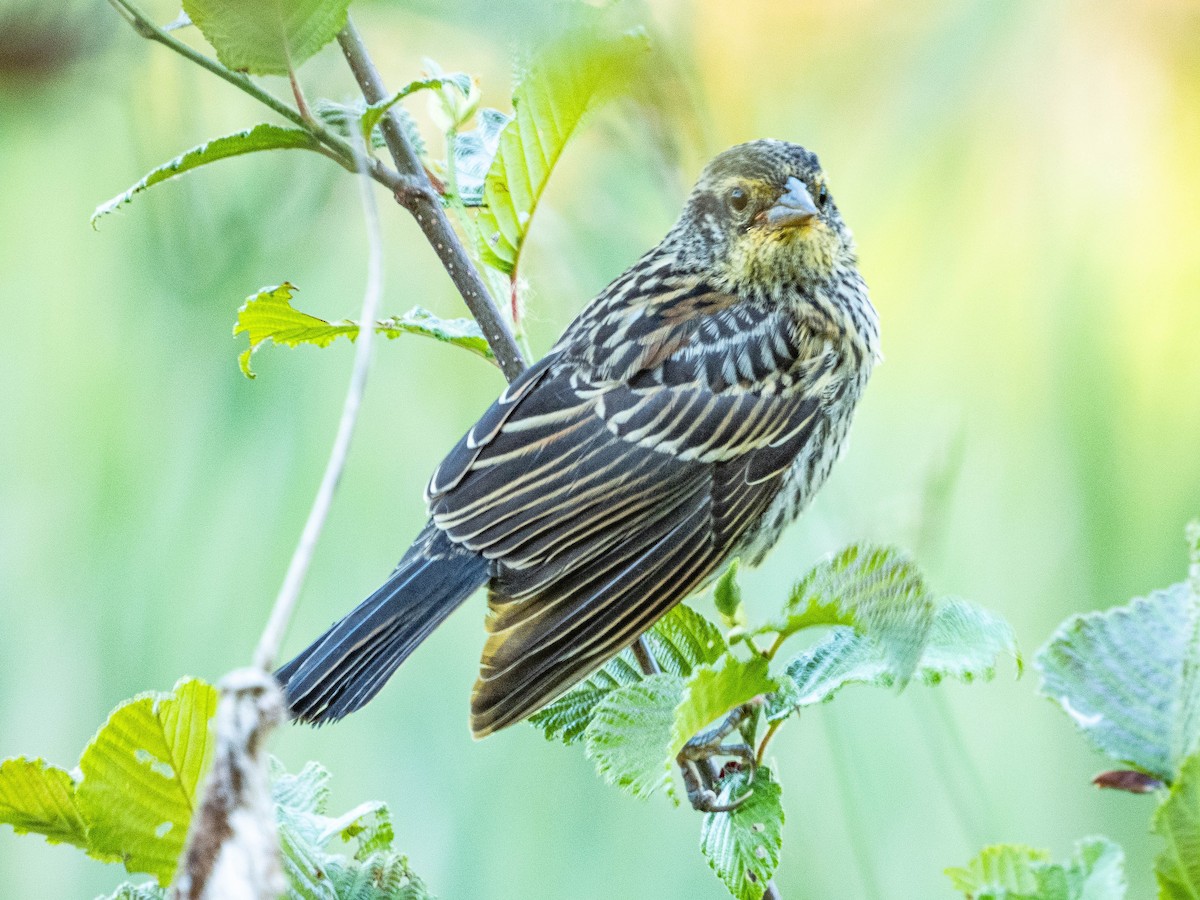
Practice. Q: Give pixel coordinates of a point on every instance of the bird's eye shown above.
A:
(822, 196)
(738, 199)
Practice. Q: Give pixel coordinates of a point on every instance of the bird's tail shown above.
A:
(347, 665)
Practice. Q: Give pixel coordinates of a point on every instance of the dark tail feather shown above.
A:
(347, 666)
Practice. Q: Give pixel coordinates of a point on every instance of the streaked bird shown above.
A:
(685, 417)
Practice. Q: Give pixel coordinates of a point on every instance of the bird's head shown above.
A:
(761, 216)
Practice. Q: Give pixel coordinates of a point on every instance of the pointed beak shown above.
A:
(794, 208)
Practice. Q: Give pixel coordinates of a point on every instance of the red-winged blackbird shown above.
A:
(685, 417)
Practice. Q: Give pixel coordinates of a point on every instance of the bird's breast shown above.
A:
(842, 385)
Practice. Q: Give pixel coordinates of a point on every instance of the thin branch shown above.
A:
(298, 93)
(762, 747)
(146, 27)
(641, 652)
(410, 184)
(285, 602)
(416, 194)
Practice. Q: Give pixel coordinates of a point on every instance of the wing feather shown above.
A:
(615, 477)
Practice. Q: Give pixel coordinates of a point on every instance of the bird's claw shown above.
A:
(697, 766)
(705, 801)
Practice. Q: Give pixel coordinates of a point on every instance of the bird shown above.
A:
(685, 417)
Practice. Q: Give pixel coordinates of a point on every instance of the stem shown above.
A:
(416, 195)
(298, 94)
(146, 27)
(774, 648)
(762, 747)
(641, 652)
(285, 602)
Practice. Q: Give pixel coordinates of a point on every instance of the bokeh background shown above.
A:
(1022, 178)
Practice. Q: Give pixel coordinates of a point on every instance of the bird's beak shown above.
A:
(794, 208)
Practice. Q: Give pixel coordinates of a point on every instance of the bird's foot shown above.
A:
(697, 761)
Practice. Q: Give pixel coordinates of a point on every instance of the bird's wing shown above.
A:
(605, 494)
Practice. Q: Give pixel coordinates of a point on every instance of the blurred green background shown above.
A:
(1022, 178)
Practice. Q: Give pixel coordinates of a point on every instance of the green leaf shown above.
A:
(727, 595)
(683, 639)
(876, 590)
(1007, 867)
(1186, 735)
(141, 773)
(381, 876)
(376, 111)
(474, 151)
(1120, 676)
(629, 735)
(375, 871)
(678, 642)
(1096, 871)
(305, 792)
(566, 80)
(1192, 536)
(260, 137)
(714, 690)
(743, 846)
(1177, 821)
(269, 316)
(36, 796)
(567, 718)
(267, 37)
(964, 642)
(147, 890)
(462, 332)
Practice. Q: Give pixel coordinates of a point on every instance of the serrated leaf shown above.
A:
(260, 137)
(1186, 735)
(147, 890)
(376, 111)
(727, 596)
(474, 151)
(269, 316)
(1119, 675)
(1006, 867)
(381, 876)
(141, 773)
(343, 119)
(566, 718)
(877, 591)
(629, 735)
(964, 642)
(1096, 871)
(683, 639)
(566, 80)
(368, 825)
(267, 37)
(304, 861)
(714, 690)
(743, 846)
(306, 792)
(462, 332)
(678, 642)
(38, 797)
(305, 833)
(1177, 821)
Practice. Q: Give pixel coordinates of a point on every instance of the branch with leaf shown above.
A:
(692, 697)
(885, 628)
